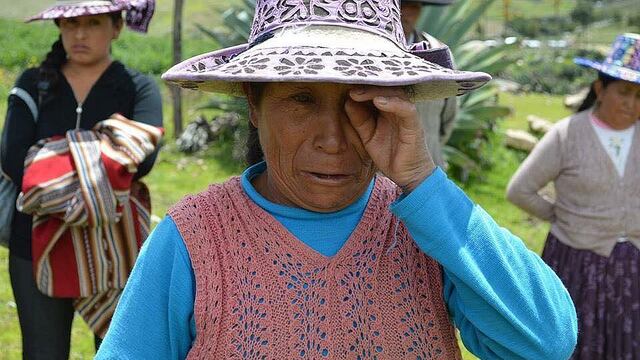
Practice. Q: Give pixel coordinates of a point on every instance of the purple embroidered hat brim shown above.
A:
(138, 12)
(336, 41)
(622, 63)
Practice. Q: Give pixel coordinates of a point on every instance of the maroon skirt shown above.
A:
(606, 292)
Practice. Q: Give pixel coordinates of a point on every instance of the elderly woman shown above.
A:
(344, 240)
(593, 160)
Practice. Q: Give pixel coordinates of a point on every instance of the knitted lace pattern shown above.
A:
(263, 294)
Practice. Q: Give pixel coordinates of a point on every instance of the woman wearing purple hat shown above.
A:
(343, 240)
(77, 85)
(593, 160)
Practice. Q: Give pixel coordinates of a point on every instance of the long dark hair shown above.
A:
(254, 152)
(49, 68)
(591, 98)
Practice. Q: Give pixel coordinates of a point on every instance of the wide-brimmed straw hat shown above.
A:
(138, 12)
(622, 63)
(337, 41)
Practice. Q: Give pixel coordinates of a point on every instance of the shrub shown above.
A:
(534, 27)
(551, 71)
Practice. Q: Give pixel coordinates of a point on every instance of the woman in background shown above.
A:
(593, 159)
(77, 85)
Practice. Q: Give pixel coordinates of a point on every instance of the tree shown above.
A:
(583, 13)
(176, 94)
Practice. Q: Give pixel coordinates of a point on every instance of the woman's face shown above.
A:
(87, 39)
(315, 159)
(619, 103)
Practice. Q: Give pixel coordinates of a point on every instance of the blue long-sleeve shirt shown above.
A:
(505, 301)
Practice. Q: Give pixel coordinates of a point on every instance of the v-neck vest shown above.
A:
(263, 294)
(113, 92)
(595, 207)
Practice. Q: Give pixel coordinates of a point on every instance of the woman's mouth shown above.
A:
(79, 48)
(328, 178)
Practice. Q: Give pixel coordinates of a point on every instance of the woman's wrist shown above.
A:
(417, 179)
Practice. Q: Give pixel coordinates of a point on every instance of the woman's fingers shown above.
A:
(362, 118)
(404, 111)
(392, 101)
(118, 116)
(362, 94)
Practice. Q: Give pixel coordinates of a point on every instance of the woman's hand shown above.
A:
(118, 116)
(389, 127)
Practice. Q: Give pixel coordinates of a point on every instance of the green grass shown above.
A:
(529, 8)
(546, 106)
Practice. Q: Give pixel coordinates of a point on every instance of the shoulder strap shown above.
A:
(28, 100)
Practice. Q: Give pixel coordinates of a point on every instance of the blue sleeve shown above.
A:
(154, 317)
(506, 302)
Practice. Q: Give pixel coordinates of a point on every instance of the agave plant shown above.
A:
(478, 111)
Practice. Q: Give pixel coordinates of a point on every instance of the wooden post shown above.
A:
(556, 7)
(507, 15)
(176, 93)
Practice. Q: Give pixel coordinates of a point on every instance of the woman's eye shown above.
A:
(303, 98)
(94, 22)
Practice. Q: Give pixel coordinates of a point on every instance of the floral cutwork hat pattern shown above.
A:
(340, 41)
(138, 12)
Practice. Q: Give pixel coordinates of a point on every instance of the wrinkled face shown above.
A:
(619, 103)
(87, 39)
(315, 159)
(410, 13)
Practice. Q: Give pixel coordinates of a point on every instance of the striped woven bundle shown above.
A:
(90, 219)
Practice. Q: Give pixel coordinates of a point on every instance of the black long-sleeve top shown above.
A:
(118, 90)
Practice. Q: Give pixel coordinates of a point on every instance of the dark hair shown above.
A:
(48, 70)
(591, 98)
(254, 152)
(57, 57)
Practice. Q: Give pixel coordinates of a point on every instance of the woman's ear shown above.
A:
(117, 29)
(253, 107)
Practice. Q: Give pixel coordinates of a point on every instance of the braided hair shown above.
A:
(592, 97)
(48, 74)
(254, 152)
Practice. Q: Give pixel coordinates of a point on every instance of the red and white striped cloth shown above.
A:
(89, 218)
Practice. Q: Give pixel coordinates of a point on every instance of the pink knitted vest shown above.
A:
(263, 294)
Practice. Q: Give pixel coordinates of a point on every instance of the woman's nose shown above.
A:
(330, 136)
(80, 32)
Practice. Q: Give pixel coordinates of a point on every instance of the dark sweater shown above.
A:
(118, 90)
